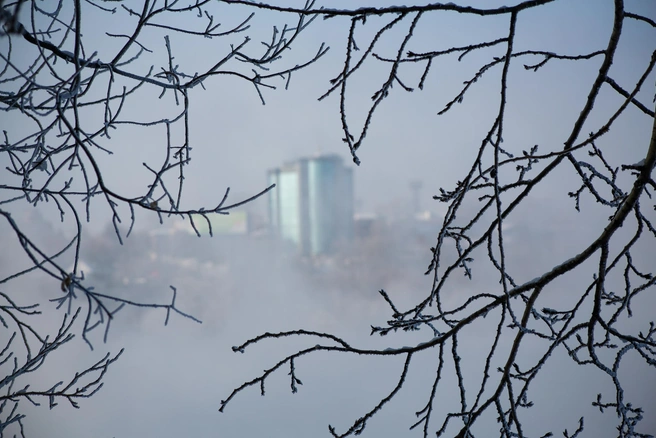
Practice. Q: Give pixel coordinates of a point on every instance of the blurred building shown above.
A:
(312, 204)
(236, 222)
(365, 225)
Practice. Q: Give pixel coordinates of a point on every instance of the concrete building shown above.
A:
(312, 204)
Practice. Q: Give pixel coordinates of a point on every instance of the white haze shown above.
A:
(170, 380)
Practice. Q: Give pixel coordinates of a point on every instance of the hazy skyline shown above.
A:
(170, 380)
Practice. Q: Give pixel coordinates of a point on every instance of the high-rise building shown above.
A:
(312, 204)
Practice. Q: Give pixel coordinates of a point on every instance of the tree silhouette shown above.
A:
(591, 324)
(71, 75)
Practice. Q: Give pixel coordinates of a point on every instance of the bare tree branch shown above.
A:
(592, 331)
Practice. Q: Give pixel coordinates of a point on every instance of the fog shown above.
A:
(171, 379)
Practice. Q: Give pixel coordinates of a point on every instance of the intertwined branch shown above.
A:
(593, 331)
(83, 384)
(67, 97)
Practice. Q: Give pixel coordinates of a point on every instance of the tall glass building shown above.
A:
(312, 203)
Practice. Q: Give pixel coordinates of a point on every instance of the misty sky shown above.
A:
(170, 380)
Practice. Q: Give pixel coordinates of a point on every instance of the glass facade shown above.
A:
(289, 205)
(313, 204)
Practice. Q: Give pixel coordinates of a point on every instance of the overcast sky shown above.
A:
(170, 381)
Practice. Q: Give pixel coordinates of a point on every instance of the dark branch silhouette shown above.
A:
(69, 100)
(593, 331)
